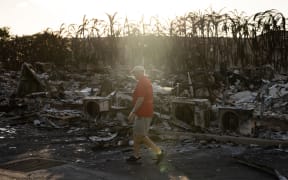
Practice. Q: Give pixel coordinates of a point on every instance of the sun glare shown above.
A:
(135, 9)
(36, 15)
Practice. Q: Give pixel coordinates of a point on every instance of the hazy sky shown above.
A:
(32, 16)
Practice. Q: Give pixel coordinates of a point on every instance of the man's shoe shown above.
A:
(133, 159)
(160, 157)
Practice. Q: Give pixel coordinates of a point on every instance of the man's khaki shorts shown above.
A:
(141, 125)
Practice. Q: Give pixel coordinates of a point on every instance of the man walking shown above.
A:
(142, 114)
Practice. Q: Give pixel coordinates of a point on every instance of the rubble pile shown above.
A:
(58, 97)
(41, 106)
(222, 103)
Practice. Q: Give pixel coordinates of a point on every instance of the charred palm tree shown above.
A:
(202, 26)
(172, 59)
(272, 25)
(192, 41)
(130, 28)
(112, 51)
(49, 47)
(79, 42)
(155, 40)
(4, 41)
(4, 33)
(157, 28)
(251, 40)
(71, 31)
(83, 28)
(126, 28)
(191, 24)
(180, 49)
(237, 25)
(86, 33)
(112, 24)
(132, 42)
(71, 34)
(96, 40)
(181, 26)
(96, 28)
(214, 20)
(143, 25)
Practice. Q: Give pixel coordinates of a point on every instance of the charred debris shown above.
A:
(240, 102)
(240, 106)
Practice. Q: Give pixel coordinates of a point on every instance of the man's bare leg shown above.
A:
(136, 146)
(148, 142)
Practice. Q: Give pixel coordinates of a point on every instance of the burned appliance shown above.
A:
(94, 106)
(194, 112)
(236, 119)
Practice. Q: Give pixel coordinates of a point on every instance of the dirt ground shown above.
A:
(185, 158)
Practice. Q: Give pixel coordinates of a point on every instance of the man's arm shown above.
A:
(137, 105)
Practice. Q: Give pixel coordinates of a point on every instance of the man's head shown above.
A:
(138, 71)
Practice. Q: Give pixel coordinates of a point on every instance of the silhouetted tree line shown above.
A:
(195, 40)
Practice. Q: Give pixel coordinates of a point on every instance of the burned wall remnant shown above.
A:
(29, 81)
